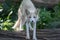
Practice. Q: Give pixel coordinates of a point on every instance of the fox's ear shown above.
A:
(38, 11)
(27, 12)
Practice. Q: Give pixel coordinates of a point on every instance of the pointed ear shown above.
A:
(38, 11)
(27, 12)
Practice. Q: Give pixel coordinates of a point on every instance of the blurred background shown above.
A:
(49, 13)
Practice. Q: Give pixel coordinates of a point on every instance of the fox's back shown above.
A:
(21, 11)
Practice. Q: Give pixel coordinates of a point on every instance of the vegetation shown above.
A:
(8, 16)
(49, 19)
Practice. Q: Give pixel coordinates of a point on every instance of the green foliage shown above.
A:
(45, 18)
(8, 14)
(56, 17)
(9, 6)
(49, 19)
(56, 14)
(7, 25)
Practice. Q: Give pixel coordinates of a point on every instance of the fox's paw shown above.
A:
(34, 38)
(28, 38)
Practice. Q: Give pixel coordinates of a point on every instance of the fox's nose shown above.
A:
(32, 21)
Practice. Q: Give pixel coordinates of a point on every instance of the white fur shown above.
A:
(27, 4)
(24, 18)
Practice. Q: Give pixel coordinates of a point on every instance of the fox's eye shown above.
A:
(30, 17)
(34, 17)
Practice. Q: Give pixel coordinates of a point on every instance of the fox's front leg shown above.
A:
(34, 31)
(27, 31)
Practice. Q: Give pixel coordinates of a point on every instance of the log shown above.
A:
(39, 3)
(42, 34)
(45, 3)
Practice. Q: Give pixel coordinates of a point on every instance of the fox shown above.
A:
(27, 14)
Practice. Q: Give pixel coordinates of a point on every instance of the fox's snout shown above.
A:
(33, 19)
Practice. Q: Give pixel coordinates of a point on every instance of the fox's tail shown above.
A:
(16, 26)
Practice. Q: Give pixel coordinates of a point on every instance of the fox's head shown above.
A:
(32, 15)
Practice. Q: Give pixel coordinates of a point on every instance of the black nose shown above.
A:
(32, 21)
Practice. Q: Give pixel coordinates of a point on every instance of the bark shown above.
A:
(42, 34)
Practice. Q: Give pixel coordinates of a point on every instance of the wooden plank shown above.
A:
(42, 34)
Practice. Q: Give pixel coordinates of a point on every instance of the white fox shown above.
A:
(27, 14)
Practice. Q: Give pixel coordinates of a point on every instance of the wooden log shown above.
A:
(45, 3)
(42, 34)
(39, 3)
